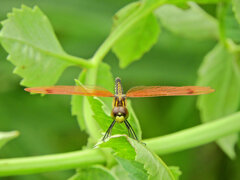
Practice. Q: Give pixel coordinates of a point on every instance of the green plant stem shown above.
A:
(83, 63)
(196, 136)
(178, 141)
(38, 164)
(221, 13)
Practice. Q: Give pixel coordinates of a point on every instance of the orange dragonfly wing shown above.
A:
(73, 90)
(151, 91)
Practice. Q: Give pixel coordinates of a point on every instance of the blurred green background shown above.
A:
(45, 123)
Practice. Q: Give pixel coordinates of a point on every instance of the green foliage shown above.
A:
(220, 70)
(180, 21)
(93, 172)
(175, 171)
(104, 120)
(138, 39)
(33, 48)
(120, 172)
(231, 26)
(77, 103)
(81, 106)
(236, 9)
(35, 51)
(137, 160)
(7, 136)
(134, 120)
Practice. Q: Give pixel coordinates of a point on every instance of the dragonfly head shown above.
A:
(119, 113)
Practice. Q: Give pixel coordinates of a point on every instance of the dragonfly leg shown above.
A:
(108, 132)
(130, 129)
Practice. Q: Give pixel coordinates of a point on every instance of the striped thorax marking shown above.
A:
(118, 87)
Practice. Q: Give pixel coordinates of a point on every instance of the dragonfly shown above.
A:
(119, 111)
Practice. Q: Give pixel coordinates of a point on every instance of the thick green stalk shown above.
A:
(196, 136)
(38, 164)
(178, 141)
(221, 12)
(83, 63)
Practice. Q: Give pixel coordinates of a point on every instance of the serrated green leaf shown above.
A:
(137, 160)
(7, 136)
(193, 22)
(77, 102)
(33, 48)
(138, 39)
(175, 171)
(93, 172)
(232, 27)
(120, 172)
(236, 9)
(134, 169)
(220, 70)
